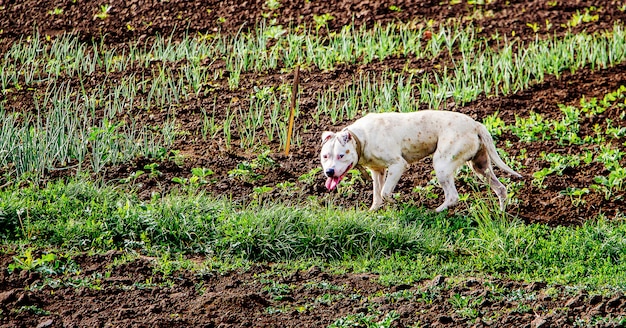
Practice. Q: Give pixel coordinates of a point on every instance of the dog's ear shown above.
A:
(327, 135)
(344, 137)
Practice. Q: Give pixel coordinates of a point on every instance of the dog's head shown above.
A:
(338, 156)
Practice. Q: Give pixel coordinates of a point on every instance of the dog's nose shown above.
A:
(330, 172)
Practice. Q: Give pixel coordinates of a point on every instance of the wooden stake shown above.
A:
(294, 94)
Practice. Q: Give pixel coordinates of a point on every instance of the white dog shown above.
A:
(386, 143)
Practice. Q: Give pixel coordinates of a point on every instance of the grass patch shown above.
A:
(403, 245)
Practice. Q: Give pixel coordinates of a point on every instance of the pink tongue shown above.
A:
(331, 183)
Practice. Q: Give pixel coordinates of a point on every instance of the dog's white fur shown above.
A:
(386, 143)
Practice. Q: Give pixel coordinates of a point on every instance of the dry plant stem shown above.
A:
(294, 94)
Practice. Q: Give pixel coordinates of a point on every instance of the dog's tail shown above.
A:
(487, 141)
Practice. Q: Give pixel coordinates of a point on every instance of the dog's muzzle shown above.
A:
(333, 181)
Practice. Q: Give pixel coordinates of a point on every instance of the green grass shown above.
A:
(403, 245)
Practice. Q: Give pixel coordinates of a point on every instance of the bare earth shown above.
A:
(242, 298)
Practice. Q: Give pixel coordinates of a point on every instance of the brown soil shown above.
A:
(238, 299)
(133, 295)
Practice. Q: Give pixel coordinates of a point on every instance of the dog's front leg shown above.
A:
(378, 178)
(394, 172)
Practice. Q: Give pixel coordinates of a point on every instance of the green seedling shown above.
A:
(199, 176)
(615, 132)
(349, 186)
(534, 26)
(591, 107)
(495, 125)
(272, 4)
(264, 161)
(427, 191)
(274, 32)
(152, 169)
(165, 266)
(47, 264)
(93, 282)
(521, 295)
(531, 129)
(177, 157)
(558, 163)
(179, 180)
(428, 295)
(260, 192)
(328, 299)
(32, 309)
(522, 308)
(465, 306)
(611, 183)
(56, 12)
(132, 177)
(565, 134)
(262, 94)
(322, 20)
(104, 12)
(323, 285)
(286, 308)
(363, 320)
(287, 188)
(609, 156)
(147, 284)
(27, 262)
(245, 172)
(210, 128)
(576, 195)
(278, 291)
(585, 17)
(250, 171)
(551, 291)
(403, 295)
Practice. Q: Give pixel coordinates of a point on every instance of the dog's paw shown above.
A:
(445, 206)
(389, 199)
(441, 208)
(375, 207)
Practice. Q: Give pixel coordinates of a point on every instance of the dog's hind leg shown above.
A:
(378, 179)
(445, 169)
(481, 165)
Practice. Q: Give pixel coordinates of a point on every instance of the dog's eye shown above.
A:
(340, 156)
(325, 156)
